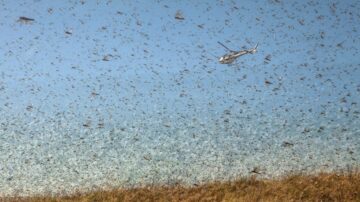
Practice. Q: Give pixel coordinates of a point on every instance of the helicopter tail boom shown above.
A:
(253, 50)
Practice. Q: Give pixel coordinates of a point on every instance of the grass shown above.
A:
(337, 186)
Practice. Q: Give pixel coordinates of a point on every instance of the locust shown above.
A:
(233, 55)
(23, 19)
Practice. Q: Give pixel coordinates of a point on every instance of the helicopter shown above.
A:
(233, 55)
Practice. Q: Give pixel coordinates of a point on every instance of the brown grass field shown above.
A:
(339, 186)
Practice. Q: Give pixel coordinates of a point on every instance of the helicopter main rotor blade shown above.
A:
(226, 47)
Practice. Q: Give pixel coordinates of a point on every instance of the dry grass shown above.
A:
(321, 187)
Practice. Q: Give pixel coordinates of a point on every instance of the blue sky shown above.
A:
(160, 64)
(117, 93)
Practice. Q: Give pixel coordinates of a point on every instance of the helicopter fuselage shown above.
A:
(231, 57)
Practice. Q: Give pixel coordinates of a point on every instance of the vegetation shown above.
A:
(339, 186)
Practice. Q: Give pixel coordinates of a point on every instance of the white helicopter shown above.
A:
(233, 55)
